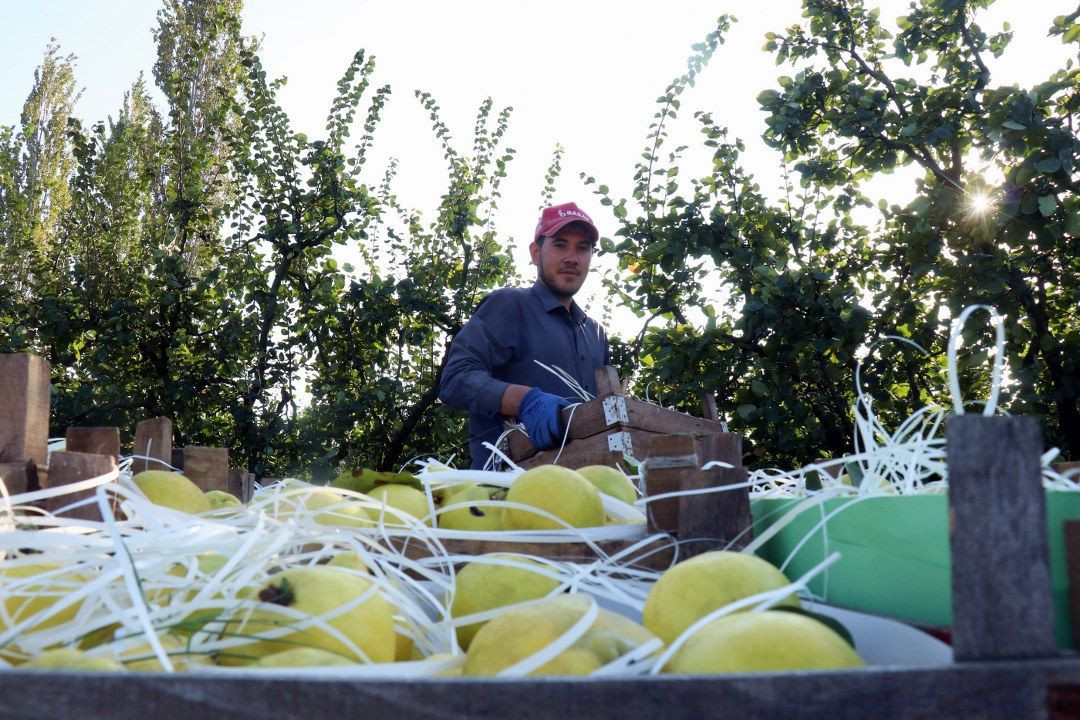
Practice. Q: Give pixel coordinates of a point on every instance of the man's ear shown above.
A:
(534, 252)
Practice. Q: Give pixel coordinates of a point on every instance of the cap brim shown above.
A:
(563, 222)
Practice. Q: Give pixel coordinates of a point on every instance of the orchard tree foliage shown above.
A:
(774, 304)
(382, 337)
(269, 291)
(996, 217)
(754, 300)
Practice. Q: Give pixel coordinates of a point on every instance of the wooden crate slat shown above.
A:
(1001, 593)
(987, 691)
(24, 408)
(67, 467)
(18, 477)
(207, 467)
(574, 453)
(153, 439)
(94, 440)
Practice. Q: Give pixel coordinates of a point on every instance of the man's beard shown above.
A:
(553, 288)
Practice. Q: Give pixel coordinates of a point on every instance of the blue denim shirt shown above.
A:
(511, 329)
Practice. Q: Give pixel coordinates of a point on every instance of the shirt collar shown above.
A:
(549, 302)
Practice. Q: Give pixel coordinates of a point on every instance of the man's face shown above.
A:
(562, 261)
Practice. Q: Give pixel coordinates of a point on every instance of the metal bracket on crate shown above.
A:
(620, 442)
(655, 463)
(615, 410)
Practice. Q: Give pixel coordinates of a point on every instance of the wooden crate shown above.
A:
(1007, 667)
(612, 422)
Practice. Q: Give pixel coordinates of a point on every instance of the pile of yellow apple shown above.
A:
(572, 496)
(510, 614)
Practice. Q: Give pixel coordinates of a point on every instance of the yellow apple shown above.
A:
(610, 481)
(462, 514)
(404, 498)
(517, 634)
(70, 659)
(760, 642)
(302, 657)
(172, 490)
(481, 586)
(694, 588)
(316, 591)
(30, 591)
(557, 490)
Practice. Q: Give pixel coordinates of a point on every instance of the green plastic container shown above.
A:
(895, 553)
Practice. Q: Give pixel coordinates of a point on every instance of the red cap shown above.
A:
(556, 217)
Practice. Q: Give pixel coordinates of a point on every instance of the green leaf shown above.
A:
(832, 623)
(759, 388)
(1047, 205)
(1048, 165)
(1013, 125)
(746, 411)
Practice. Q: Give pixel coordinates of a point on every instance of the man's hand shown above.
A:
(539, 413)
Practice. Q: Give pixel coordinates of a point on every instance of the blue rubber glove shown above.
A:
(539, 413)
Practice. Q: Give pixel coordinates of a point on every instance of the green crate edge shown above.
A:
(895, 554)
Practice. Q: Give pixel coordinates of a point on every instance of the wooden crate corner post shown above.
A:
(703, 521)
(68, 467)
(94, 440)
(24, 413)
(153, 442)
(1001, 590)
(207, 467)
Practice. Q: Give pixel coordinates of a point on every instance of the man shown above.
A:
(491, 371)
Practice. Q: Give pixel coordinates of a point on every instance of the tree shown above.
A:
(36, 163)
(382, 342)
(996, 217)
(756, 300)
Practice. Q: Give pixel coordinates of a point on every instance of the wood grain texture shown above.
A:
(241, 483)
(717, 519)
(607, 381)
(153, 439)
(1072, 563)
(16, 476)
(1002, 603)
(207, 467)
(588, 420)
(1017, 690)
(24, 408)
(95, 440)
(708, 407)
(70, 467)
(573, 455)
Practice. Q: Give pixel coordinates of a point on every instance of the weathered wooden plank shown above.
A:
(94, 440)
(668, 461)
(1002, 604)
(1072, 563)
(573, 454)
(153, 439)
(16, 476)
(24, 408)
(71, 467)
(717, 519)
(621, 413)
(986, 691)
(207, 467)
(708, 407)
(607, 381)
(241, 483)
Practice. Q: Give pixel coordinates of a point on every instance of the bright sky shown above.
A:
(585, 74)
